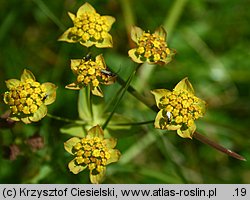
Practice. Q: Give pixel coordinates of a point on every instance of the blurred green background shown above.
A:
(212, 40)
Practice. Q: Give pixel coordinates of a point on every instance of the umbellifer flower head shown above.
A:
(93, 152)
(89, 28)
(178, 109)
(28, 98)
(151, 48)
(91, 72)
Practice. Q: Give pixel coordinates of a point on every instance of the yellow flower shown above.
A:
(151, 48)
(178, 109)
(93, 152)
(27, 98)
(90, 28)
(91, 72)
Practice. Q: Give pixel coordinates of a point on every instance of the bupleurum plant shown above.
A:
(90, 28)
(151, 48)
(178, 109)
(93, 152)
(27, 98)
(92, 143)
(90, 72)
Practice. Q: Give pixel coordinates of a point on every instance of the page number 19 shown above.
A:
(240, 192)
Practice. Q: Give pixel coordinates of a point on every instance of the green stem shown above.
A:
(138, 96)
(134, 124)
(174, 15)
(65, 119)
(111, 102)
(119, 99)
(89, 101)
(128, 16)
(138, 147)
(220, 148)
(49, 13)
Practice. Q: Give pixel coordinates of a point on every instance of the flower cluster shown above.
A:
(178, 109)
(93, 152)
(28, 98)
(91, 72)
(89, 28)
(152, 48)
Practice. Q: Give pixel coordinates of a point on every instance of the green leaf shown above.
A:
(90, 107)
(98, 106)
(121, 126)
(160, 176)
(74, 130)
(84, 106)
(43, 172)
(125, 87)
(138, 147)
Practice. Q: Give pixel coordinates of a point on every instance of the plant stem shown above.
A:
(138, 147)
(174, 15)
(128, 17)
(119, 99)
(111, 102)
(65, 119)
(89, 101)
(46, 10)
(220, 148)
(134, 124)
(137, 95)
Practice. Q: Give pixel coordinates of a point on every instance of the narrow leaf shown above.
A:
(73, 130)
(84, 106)
(119, 99)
